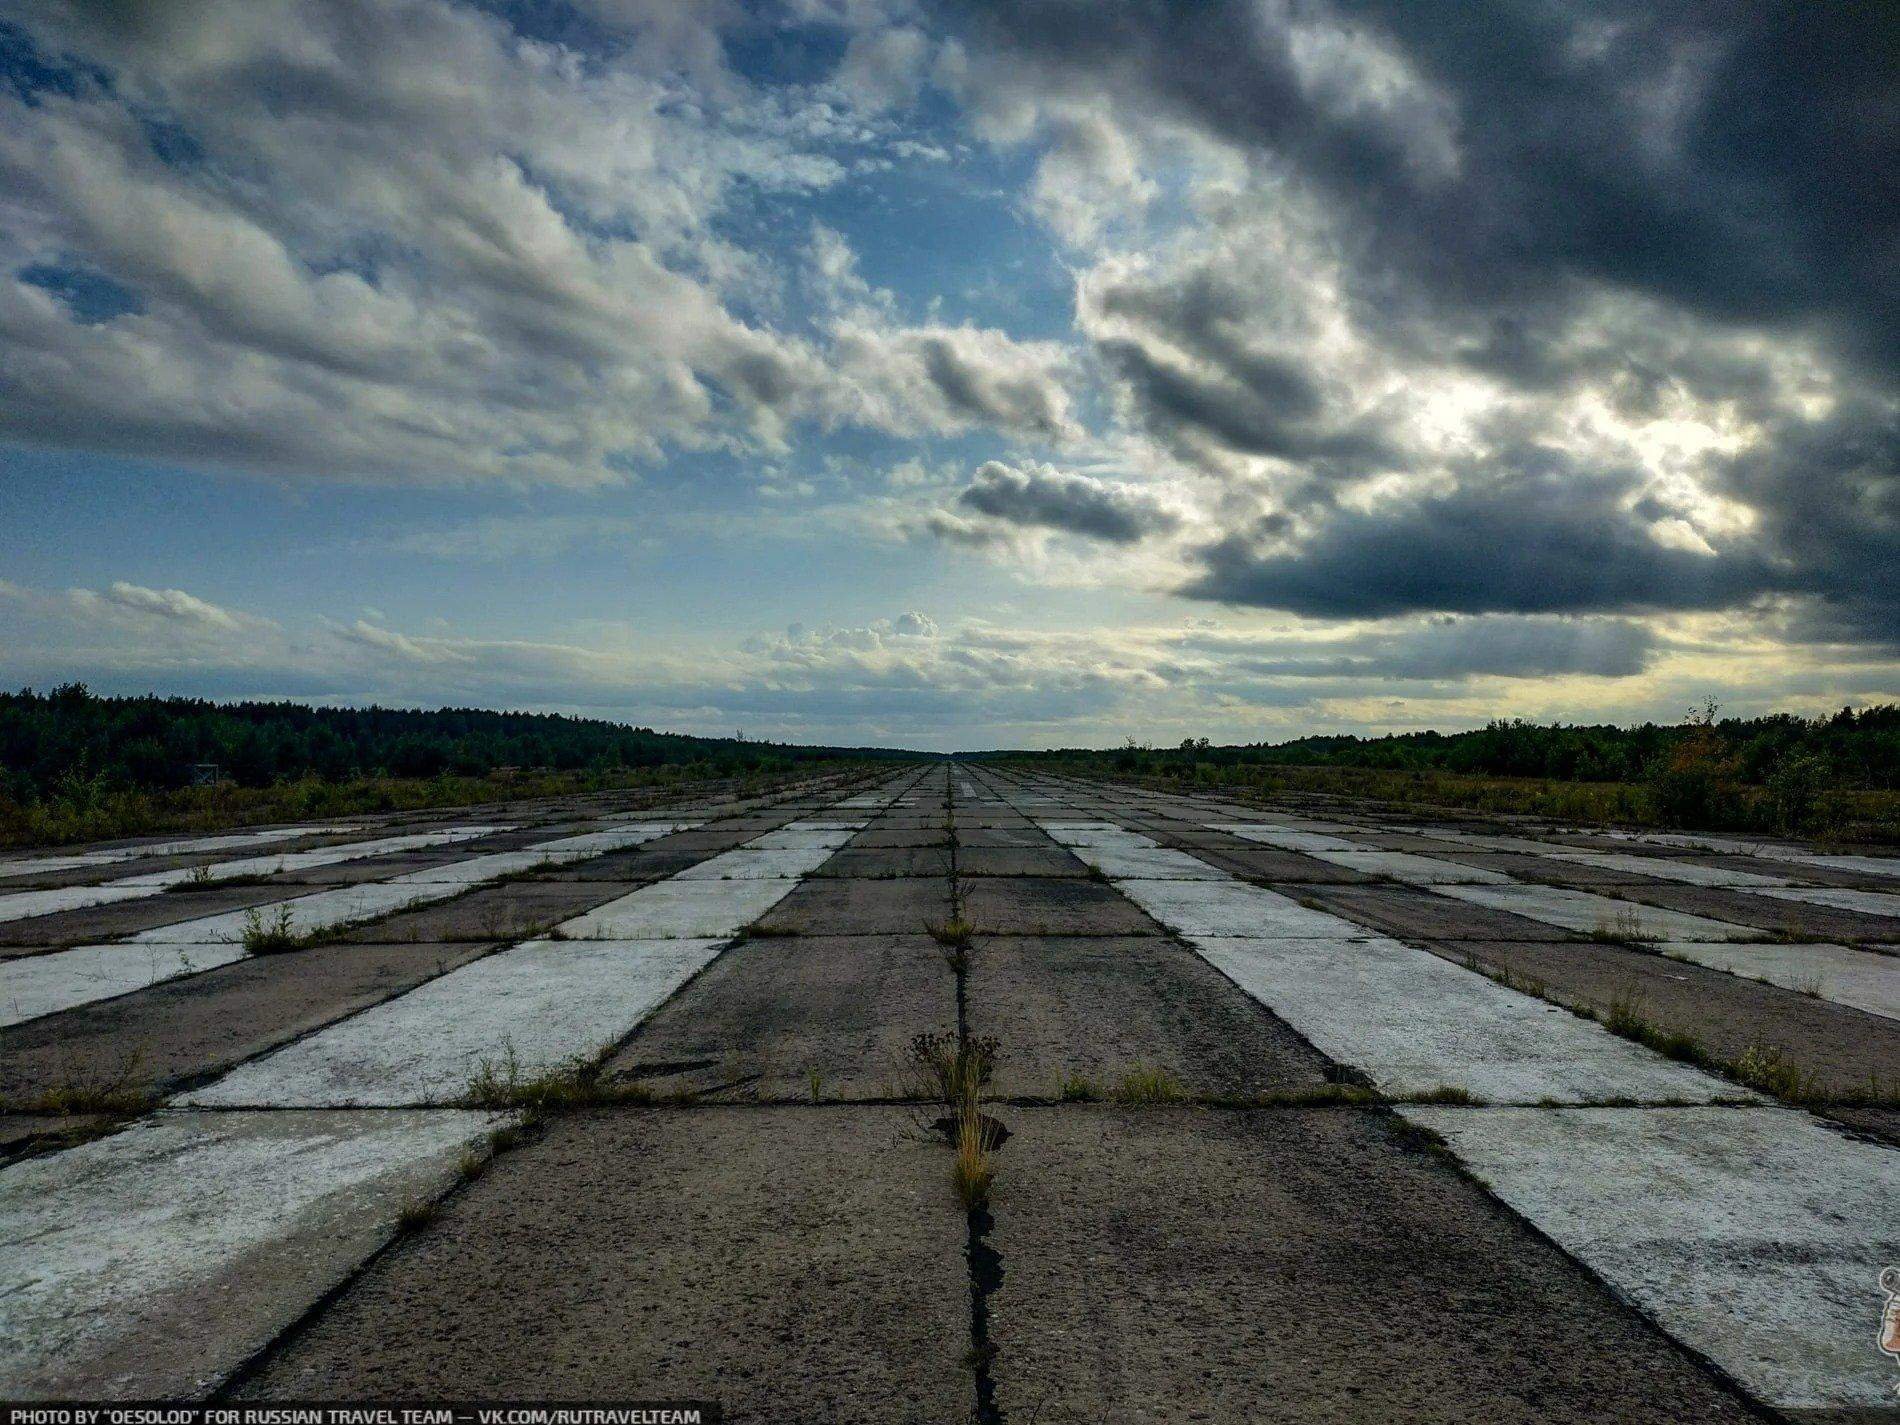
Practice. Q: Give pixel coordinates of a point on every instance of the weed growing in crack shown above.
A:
(277, 935)
(417, 1215)
(577, 1084)
(1143, 1085)
(952, 1068)
(1077, 1088)
(975, 1169)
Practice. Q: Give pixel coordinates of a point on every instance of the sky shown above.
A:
(1040, 373)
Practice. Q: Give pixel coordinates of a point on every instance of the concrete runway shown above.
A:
(1310, 1113)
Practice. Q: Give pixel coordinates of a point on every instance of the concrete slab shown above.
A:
(714, 1253)
(322, 910)
(1665, 868)
(828, 905)
(1296, 1266)
(187, 1030)
(187, 846)
(680, 909)
(27, 905)
(1232, 908)
(1755, 1236)
(772, 1016)
(757, 864)
(532, 1009)
(47, 984)
(1861, 979)
(514, 910)
(1411, 869)
(1881, 903)
(1043, 860)
(308, 860)
(1416, 1023)
(1843, 1049)
(1156, 863)
(1586, 913)
(856, 861)
(1048, 905)
(150, 1264)
(1288, 839)
(1094, 1008)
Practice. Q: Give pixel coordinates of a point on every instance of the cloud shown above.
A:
(409, 242)
(170, 605)
(1043, 496)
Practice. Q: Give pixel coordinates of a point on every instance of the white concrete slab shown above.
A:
(681, 909)
(321, 910)
(1860, 979)
(115, 855)
(538, 1006)
(1289, 838)
(1664, 868)
(795, 838)
(1866, 902)
(1480, 842)
(749, 864)
(1230, 907)
(1584, 912)
(1773, 851)
(1411, 869)
(150, 1264)
(1094, 833)
(1415, 1023)
(307, 860)
(1753, 1235)
(46, 984)
(25, 905)
(1157, 863)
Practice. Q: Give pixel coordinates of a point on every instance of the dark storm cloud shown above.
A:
(1726, 159)
(1547, 537)
(1450, 649)
(1055, 499)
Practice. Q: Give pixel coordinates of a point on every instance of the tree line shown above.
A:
(50, 742)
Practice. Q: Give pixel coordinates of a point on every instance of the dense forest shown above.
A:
(1781, 772)
(54, 743)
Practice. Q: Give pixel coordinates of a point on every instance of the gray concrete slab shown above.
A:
(1587, 913)
(798, 1017)
(1044, 860)
(1844, 1049)
(1073, 1010)
(680, 908)
(1414, 913)
(1860, 979)
(795, 1264)
(150, 1264)
(856, 861)
(1755, 1236)
(519, 1014)
(1045, 905)
(513, 911)
(188, 1030)
(1417, 1024)
(1296, 1266)
(827, 905)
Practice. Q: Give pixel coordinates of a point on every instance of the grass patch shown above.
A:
(273, 935)
(1078, 1088)
(566, 1088)
(953, 934)
(974, 1171)
(1143, 1085)
(418, 1214)
(955, 1070)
